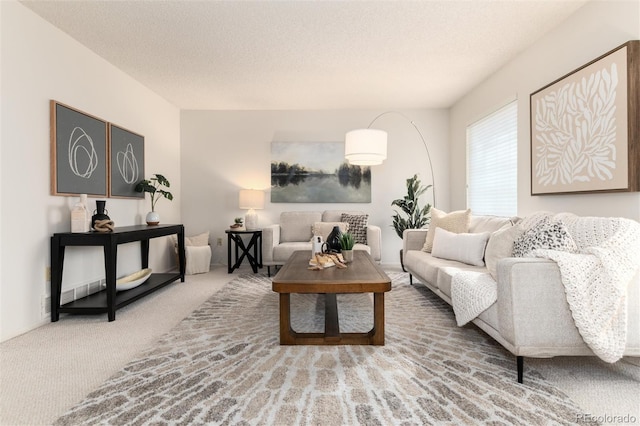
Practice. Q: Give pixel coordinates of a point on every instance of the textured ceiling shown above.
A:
(307, 54)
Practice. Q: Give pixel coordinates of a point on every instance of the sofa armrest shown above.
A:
(413, 239)
(533, 313)
(270, 239)
(374, 241)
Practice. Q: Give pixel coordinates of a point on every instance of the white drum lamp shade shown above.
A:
(251, 199)
(365, 147)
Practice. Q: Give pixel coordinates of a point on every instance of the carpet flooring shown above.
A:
(223, 365)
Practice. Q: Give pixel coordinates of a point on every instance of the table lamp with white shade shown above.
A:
(251, 199)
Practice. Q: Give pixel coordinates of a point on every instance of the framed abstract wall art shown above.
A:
(316, 172)
(126, 162)
(585, 131)
(79, 163)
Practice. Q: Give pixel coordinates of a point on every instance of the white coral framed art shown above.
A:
(585, 127)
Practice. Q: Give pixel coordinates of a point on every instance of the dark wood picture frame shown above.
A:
(585, 131)
(79, 161)
(126, 162)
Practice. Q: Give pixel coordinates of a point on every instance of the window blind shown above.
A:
(492, 170)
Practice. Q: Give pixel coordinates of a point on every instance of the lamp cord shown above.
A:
(433, 181)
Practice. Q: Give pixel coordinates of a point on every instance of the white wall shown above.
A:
(224, 151)
(592, 31)
(40, 63)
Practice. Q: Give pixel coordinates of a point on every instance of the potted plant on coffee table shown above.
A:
(346, 244)
(411, 215)
(154, 187)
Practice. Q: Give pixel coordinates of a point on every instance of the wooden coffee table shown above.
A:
(361, 276)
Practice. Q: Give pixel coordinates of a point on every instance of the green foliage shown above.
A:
(346, 241)
(413, 216)
(238, 220)
(153, 186)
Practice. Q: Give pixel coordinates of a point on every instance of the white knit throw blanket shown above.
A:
(471, 294)
(596, 278)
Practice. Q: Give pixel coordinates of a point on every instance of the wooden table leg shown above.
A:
(378, 319)
(331, 321)
(286, 335)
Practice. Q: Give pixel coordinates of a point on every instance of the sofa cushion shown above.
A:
(283, 251)
(490, 223)
(457, 222)
(423, 265)
(464, 247)
(448, 270)
(500, 245)
(296, 226)
(357, 226)
(324, 228)
(545, 234)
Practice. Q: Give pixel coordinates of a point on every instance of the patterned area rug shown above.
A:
(223, 365)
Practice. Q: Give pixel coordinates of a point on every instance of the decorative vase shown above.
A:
(153, 218)
(333, 240)
(99, 213)
(80, 219)
(347, 255)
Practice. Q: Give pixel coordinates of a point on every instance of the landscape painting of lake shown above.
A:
(316, 172)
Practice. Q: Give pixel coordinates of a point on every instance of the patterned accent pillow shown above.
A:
(544, 235)
(357, 226)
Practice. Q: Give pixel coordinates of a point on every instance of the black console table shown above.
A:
(108, 300)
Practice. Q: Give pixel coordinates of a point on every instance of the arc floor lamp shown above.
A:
(368, 147)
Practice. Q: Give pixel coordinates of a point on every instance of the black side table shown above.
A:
(255, 243)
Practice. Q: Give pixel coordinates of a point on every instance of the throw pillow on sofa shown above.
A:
(500, 245)
(357, 226)
(464, 247)
(456, 222)
(545, 234)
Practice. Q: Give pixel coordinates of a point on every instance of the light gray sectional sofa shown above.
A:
(295, 229)
(531, 317)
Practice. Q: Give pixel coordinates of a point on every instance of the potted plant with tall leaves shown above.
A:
(346, 244)
(411, 215)
(154, 186)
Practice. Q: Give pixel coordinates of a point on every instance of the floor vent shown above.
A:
(71, 295)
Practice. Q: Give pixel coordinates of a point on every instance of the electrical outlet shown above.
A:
(47, 273)
(219, 241)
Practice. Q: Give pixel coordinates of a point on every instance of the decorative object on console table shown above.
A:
(585, 135)
(346, 243)
(100, 221)
(153, 186)
(80, 220)
(416, 217)
(126, 152)
(251, 199)
(78, 152)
